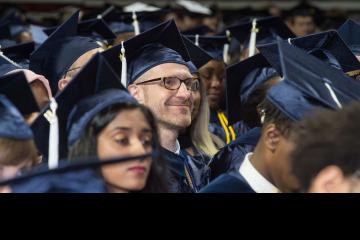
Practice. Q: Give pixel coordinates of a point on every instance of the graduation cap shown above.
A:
(19, 53)
(193, 8)
(213, 45)
(16, 88)
(161, 44)
(86, 110)
(198, 56)
(259, 31)
(304, 8)
(131, 21)
(56, 55)
(350, 32)
(140, 7)
(95, 77)
(93, 28)
(310, 83)
(12, 124)
(327, 46)
(242, 79)
(16, 24)
(77, 176)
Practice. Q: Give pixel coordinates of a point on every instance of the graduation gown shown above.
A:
(179, 180)
(86, 180)
(231, 156)
(232, 182)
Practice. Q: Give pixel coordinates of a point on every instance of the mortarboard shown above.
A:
(242, 79)
(56, 55)
(308, 84)
(16, 89)
(213, 45)
(193, 8)
(19, 53)
(94, 28)
(198, 56)
(95, 77)
(161, 44)
(256, 31)
(83, 112)
(132, 21)
(12, 123)
(327, 46)
(349, 32)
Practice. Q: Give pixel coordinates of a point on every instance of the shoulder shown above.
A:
(228, 183)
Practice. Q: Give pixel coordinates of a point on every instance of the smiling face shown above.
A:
(171, 107)
(129, 134)
(213, 76)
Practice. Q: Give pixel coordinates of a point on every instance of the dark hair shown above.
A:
(86, 145)
(273, 115)
(327, 138)
(257, 96)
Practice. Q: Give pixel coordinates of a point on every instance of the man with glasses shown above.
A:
(158, 77)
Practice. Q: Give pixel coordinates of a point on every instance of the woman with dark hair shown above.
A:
(112, 124)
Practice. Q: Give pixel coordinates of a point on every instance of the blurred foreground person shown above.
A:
(326, 156)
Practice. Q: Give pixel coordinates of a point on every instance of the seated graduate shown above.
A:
(196, 139)
(327, 46)
(213, 75)
(326, 156)
(63, 54)
(17, 147)
(132, 20)
(16, 59)
(16, 88)
(81, 176)
(157, 75)
(111, 124)
(254, 31)
(94, 77)
(95, 28)
(247, 84)
(267, 169)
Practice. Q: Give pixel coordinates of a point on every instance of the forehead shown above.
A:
(130, 118)
(166, 69)
(214, 66)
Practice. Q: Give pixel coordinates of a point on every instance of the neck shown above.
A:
(168, 137)
(259, 160)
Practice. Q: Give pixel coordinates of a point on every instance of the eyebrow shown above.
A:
(127, 129)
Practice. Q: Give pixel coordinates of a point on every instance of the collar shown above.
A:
(256, 181)
(177, 149)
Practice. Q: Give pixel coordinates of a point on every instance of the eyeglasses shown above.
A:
(174, 83)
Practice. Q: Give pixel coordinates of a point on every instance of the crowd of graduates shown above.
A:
(146, 99)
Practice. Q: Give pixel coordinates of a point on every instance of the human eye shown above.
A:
(122, 140)
(171, 82)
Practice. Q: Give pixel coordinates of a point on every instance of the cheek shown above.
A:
(107, 148)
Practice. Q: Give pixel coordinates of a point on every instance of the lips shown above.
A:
(137, 169)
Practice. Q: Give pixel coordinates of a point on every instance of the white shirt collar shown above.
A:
(256, 181)
(177, 150)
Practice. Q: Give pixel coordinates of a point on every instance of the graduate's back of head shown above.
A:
(327, 148)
